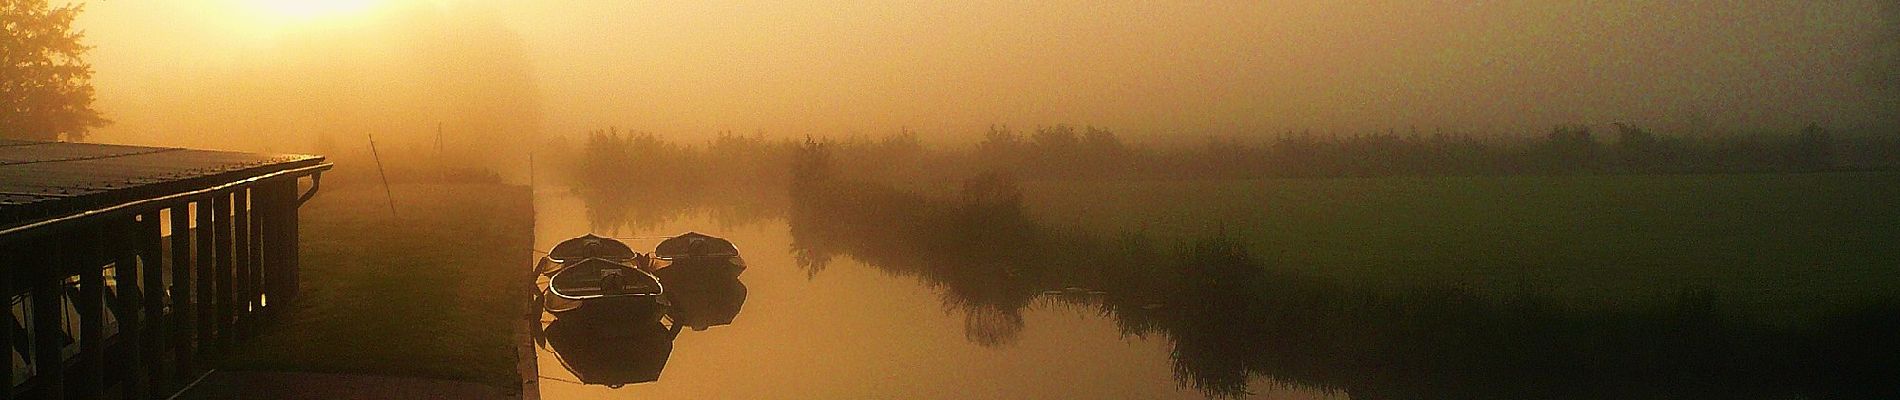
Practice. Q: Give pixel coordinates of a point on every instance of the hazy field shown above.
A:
(435, 293)
(1775, 244)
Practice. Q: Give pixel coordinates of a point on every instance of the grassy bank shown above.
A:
(1778, 243)
(432, 293)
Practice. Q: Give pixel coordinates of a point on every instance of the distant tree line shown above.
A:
(626, 160)
(1065, 152)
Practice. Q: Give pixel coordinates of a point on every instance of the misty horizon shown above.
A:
(519, 200)
(509, 71)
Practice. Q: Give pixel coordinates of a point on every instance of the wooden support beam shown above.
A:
(180, 320)
(254, 260)
(12, 261)
(89, 379)
(241, 264)
(127, 250)
(225, 255)
(49, 335)
(285, 235)
(151, 291)
(260, 220)
(202, 268)
(279, 228)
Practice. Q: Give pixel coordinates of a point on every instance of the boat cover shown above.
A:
(590, 246)
(692, 244)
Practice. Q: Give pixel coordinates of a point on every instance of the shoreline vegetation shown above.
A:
(434, 293)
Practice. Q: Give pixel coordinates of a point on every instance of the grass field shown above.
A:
(435, 293)
(1775, 244)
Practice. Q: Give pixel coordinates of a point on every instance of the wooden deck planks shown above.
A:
(41, 180)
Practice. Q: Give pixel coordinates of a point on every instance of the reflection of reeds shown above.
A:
(1232, 317)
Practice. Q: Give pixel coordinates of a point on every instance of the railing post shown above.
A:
(288, 263)
(182, 305)
(279, 205)
(241, 263)
(91, 312)
(253, 264)
(152, 292)
(224, 254)
(49, 335)
(126, 245)
(12, 260)
(202, 268)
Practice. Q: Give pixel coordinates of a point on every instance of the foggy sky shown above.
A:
(194, 72)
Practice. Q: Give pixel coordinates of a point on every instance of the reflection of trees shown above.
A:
(1231, 318)
(614, 210)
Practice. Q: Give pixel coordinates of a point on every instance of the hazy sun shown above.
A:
(307, 10)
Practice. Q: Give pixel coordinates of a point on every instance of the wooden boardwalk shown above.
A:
(125, 268)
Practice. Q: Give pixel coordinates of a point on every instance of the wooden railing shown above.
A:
(130, 301)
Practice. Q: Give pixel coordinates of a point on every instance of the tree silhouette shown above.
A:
(46, 87)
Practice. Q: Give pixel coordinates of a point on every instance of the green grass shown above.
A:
(436, 293)
(1776, 244)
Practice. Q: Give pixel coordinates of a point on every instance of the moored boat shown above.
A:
(596, 278)
(617, 311)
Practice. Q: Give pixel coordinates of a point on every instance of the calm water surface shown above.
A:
(853, 331)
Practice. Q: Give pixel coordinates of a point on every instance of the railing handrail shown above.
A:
(35, 228)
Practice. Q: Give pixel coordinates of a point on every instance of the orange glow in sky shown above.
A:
(305, 10)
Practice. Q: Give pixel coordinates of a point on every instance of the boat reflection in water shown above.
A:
(617, 311)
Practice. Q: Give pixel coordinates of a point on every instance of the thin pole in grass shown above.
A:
(384, 175)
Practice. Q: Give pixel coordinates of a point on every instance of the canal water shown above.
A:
(851, 331)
